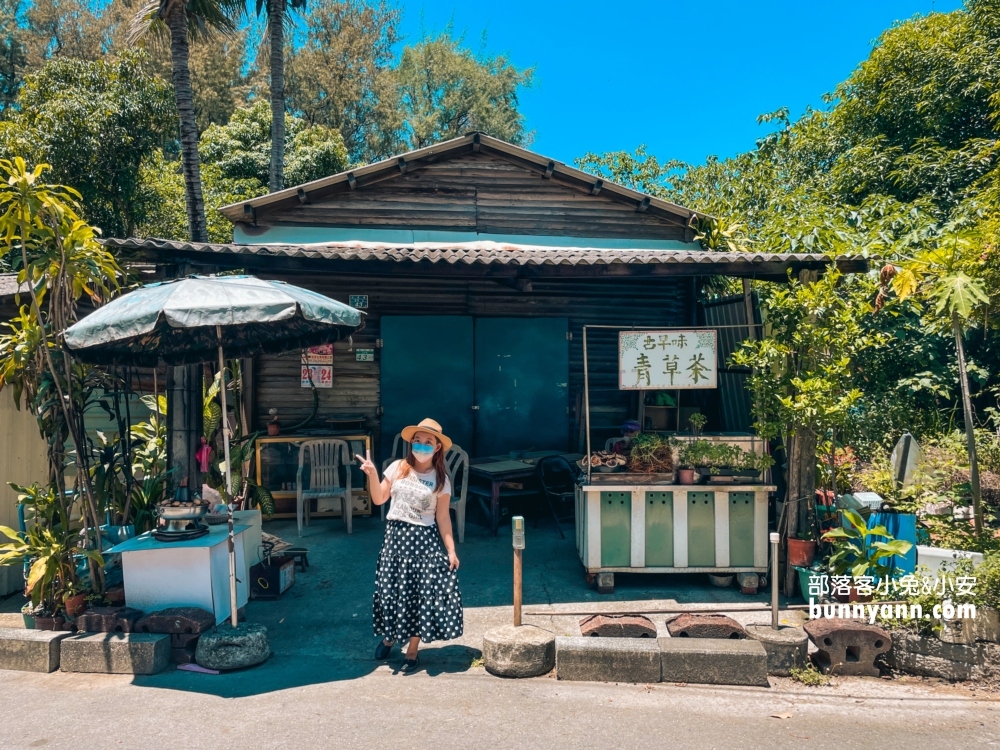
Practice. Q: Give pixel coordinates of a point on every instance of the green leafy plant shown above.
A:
(809, 675)
(697, 422)
(862, 550)
(651, 453)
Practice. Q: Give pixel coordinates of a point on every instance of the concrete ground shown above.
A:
(321, 687)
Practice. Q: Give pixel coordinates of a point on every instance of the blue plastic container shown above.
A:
(902, 526)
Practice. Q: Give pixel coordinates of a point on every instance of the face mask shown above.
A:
(422, 452)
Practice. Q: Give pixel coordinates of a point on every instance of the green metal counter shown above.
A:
(672, 528)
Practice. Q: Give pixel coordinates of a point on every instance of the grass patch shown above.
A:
(809, 676)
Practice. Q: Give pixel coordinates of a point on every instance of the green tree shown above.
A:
(277, 14)
(446, 91)
(182, 21)
(242, 149)
(95, 123)
(341, 75)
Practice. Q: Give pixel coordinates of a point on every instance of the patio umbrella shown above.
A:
(193, 319)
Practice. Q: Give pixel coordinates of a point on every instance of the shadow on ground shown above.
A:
(321, 629)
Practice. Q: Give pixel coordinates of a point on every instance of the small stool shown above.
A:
(299, 554)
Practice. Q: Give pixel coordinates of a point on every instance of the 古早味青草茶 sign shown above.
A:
(664, 360)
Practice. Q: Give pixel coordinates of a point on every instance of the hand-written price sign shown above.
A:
(317, 365)
(664, 360)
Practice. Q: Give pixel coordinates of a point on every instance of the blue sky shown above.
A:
(686, 78)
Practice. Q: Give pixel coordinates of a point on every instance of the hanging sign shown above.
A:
(665, 360)
(317, 366)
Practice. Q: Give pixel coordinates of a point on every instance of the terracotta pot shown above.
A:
(801, 552)
(685, 476)
(75, 605)
(854, 596)
(50, 623)
(273, 429)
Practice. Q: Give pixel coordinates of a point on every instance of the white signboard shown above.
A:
(667, 360)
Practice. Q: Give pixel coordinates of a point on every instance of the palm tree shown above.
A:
(183, 19)
(277, 13)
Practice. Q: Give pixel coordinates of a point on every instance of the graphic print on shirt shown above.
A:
(413, 497)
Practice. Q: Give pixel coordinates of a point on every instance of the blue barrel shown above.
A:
(902, 526)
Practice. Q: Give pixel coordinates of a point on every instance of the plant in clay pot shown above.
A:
(863, 550)
(802, 549)
(274, 426)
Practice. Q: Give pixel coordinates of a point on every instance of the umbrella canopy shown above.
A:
(177, 322)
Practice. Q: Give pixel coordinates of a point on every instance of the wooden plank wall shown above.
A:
(478, 193)
(621, 302)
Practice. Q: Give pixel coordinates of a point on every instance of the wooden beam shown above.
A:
(401, 163)
(352, 181)
(249, 214)
(643, 205)
(549, 169)
(597, 187)
(303, 198)
(475, 143)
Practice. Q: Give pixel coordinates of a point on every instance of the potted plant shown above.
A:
(694, 459)
(697, 422)
(74, 603)
(53, 554)
(802, 549)
(863, 550)
(274, 426)
(650, 453)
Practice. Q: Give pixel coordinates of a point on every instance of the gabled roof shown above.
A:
(473, 142)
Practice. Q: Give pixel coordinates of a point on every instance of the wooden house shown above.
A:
(477, 263)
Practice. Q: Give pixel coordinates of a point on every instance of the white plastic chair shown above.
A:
(326, 458)
(456, 461)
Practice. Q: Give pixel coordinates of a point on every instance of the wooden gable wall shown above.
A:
(482, 193)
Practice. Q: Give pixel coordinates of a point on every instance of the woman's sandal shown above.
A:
(383, 649)
(410, 665)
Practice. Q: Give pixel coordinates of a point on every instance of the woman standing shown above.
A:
(416, 580)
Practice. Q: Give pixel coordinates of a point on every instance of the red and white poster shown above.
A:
(317, 366)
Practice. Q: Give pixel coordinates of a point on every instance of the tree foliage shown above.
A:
(95, 123)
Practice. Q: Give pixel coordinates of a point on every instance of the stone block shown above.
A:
(607, 659)
(605, 583)
(525, 651)
(30, 650)
(182, 655)
(748, 582)
(108, 620)
(246, 645)
(704, 626)
(988, 625)
(713, 661)
(116, 653)
(847, 647)
(617, 626)
(184, 640)
(11, 620)
(961, 631)
(177, 620)
(787, 647)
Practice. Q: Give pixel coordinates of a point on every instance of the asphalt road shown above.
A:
(471, 709)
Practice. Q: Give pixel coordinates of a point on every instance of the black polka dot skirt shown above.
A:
(415, 593)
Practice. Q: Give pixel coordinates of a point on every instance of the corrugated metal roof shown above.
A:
(483, 253)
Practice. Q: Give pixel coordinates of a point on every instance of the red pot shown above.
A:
(685, 476)
(801, 552)
(854, 596)
(273, 429)
(50, 623)
(75, 605)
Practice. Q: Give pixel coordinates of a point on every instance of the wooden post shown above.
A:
(517, 588)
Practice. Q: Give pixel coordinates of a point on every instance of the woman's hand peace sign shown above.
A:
(367, 466)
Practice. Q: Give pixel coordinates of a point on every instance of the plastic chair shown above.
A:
(456, 461)
(557, 476)
(326, 458)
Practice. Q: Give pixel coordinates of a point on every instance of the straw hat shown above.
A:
(427, 425)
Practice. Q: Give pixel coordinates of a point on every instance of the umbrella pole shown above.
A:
(229, 484)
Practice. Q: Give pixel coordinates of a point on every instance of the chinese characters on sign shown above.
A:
(662, 360)
(317, 366)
